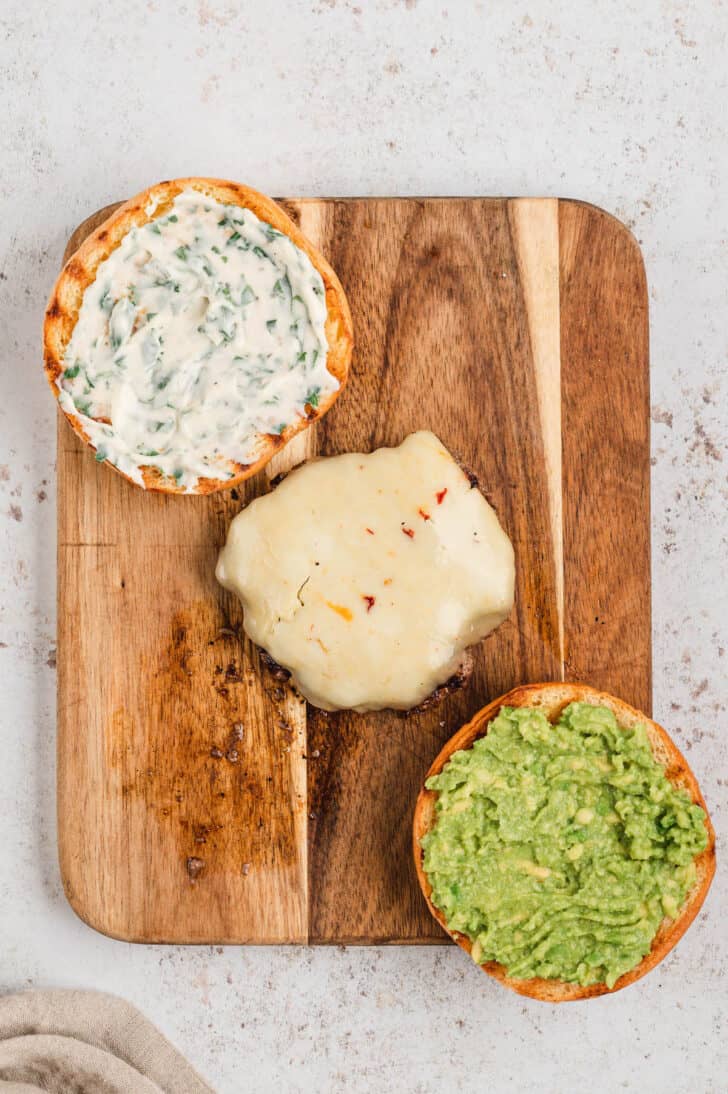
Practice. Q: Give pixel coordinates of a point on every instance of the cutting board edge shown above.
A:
(290, 200)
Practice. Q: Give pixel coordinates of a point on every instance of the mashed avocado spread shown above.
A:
(558, 849)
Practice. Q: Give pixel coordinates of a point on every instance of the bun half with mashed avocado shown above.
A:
(194, 333)
(562, 841)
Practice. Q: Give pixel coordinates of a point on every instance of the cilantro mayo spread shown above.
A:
(202, 331)
(559, 849)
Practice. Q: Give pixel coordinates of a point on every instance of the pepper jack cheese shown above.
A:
(368, 576)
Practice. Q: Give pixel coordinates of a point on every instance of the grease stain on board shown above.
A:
(239, 798)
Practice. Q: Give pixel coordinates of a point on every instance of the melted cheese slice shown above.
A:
(367, 576)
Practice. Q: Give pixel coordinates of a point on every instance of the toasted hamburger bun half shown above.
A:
(551, 699)
(80, 271)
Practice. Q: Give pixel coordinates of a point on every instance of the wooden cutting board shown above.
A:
(199, 799)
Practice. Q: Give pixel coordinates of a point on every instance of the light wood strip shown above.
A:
(536, 232)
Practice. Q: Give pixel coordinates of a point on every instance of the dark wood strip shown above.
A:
(606, 454)
(442, 343)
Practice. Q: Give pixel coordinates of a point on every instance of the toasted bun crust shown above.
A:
(551, 699)
(80, 270)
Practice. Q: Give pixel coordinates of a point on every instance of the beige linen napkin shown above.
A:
(83, 1042)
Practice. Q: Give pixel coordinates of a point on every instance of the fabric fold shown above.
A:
(83, 1042)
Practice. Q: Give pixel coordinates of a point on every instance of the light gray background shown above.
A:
(624, 104)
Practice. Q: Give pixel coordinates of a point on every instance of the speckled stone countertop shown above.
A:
(621, 104)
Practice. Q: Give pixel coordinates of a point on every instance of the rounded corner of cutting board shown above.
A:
(88, 225)
(609, 224)
(91, 917)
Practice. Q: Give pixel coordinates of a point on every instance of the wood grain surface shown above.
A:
(199, 799)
